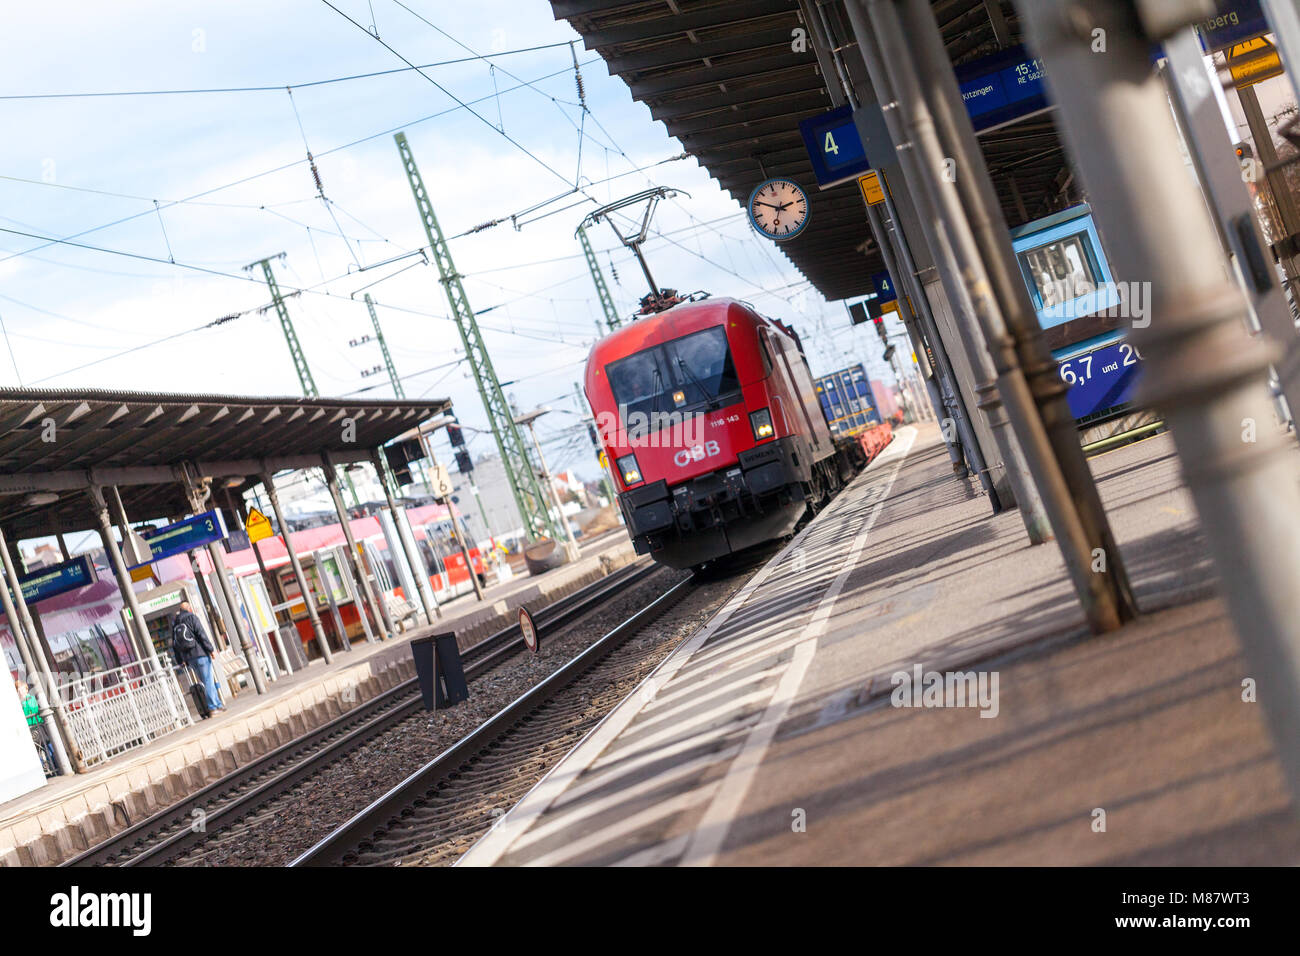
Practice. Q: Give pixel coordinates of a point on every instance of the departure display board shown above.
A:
(184, 535)
(57, 579)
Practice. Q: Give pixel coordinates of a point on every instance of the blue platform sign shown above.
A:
(884, 286)
(57, 579)
(184, 535)
(1003, 87)
(1234, 21)
(834, 146)
(1102, 379)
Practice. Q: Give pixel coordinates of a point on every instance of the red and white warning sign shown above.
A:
(529, 629)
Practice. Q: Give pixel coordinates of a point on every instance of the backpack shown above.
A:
(183, 640)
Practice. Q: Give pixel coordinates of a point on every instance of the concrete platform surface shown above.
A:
(781, 734)
(72, 813)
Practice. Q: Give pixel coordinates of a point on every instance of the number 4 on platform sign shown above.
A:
(830, 146)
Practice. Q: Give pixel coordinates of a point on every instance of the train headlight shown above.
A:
(627, 467)
(761, 422)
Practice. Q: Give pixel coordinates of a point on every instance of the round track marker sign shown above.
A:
(529, 629)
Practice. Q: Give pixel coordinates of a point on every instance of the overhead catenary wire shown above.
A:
(446, 92)
(266, 172)
(342, 234)
(278, 87)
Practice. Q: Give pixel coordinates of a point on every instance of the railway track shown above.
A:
(437, 813)
(171, 833)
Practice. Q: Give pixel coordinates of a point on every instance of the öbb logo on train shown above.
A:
(696, 453)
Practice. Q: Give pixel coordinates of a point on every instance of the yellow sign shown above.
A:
(142, 573)
(604, 459)
(257, 525)
(1253, 62)
(871, 189)
(889, 307)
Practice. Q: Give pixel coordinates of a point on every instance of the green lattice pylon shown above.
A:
(398, 391)
(524, 483)
(598, 277)
(286, 326)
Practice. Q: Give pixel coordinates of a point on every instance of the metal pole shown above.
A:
(906, 116)
(953, 437)
(988, 230)
(570, 545)
(451, 511)
(1202, 369)
(378, 609)
(218, 557)
(308, 600)
(1221, 181)
(951, 397)
(124, 585)
(211, 607)
(118, 511)
(961, 439)
(1275, 179)
(38, 675)
(431, 611)
(1099, 594)
(239, 507)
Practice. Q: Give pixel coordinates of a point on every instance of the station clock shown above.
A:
(778, 208)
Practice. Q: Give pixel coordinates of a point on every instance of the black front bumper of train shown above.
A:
(759, 498)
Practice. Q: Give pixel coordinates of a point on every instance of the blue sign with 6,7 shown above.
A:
(1102, 379)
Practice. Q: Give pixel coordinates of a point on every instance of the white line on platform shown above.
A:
(594, 808)
(497, 842)
(713, 827)
(626, 826)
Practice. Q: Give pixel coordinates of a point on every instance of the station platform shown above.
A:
(71, 813)
(780, 733)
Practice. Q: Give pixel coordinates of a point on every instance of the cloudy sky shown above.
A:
(128, 219)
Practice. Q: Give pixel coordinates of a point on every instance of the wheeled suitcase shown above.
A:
(199, 695)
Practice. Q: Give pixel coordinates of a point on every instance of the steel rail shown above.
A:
(334, 849)
(322, 745)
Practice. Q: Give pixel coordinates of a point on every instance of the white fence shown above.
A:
(127, 707)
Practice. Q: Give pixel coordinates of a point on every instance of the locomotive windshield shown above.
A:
(694, 370)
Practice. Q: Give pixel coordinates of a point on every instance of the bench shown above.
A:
(403, 612)
(233, 666)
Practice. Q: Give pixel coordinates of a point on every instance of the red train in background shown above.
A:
(709, 417)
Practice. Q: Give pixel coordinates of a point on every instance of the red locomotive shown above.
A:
(708, 414)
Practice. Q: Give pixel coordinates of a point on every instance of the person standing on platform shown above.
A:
(36, 724)
(191, 648)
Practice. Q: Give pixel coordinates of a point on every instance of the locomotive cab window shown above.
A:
(693, 372)
(703, 366)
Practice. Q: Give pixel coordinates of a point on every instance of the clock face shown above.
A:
(778, 209)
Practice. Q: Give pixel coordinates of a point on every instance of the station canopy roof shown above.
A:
(137, 441)
(723, 78)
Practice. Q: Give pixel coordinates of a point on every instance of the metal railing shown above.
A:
(114, 711)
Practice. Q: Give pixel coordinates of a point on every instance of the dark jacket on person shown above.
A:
(202, 646)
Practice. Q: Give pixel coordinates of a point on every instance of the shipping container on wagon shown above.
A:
(847, 400)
